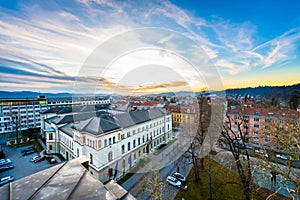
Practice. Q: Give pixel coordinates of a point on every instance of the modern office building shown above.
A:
(22, 112)
(26, 113)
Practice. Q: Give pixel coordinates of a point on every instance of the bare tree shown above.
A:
(16, 125)
(284, 134)
(234, 136)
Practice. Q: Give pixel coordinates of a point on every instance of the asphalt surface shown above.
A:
(167, 165)
(23, 166)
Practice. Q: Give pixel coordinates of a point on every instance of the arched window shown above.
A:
(91, 158)
(133, 143)
(105, 143)
(128, 146)
(139, 141)
(109, 141)
(77, 152)
(123, 148)
(99, 144)
(143, 138)
(114, 139)
(110, 156)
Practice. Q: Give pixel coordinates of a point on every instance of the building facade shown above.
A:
(257, 123)
(23, 113)
(114, 143)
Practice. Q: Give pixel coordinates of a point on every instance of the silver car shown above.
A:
(173, 181)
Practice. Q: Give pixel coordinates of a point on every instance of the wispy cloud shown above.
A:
(52, 44)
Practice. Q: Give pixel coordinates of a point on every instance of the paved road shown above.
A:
(167, 161)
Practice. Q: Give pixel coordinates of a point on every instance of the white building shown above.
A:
(114, 143)
(25, 111)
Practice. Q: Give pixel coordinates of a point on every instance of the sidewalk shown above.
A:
(261, 175)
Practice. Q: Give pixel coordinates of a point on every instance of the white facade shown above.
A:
(26, 111)
(119, 149)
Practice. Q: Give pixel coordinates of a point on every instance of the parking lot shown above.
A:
(23, 166)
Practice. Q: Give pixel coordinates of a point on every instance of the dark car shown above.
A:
(5, 180)
(28, 152)
(2, 169)
(179, 176)
(27, 149)
(39, 159)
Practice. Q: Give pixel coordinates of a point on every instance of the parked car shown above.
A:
(27, 149)
(28, 152)
(179, 176)
(283, 157)
(38, 159)
(6, 179)
(4, 168)
(173, 181)
(259, 151)
(5, 162)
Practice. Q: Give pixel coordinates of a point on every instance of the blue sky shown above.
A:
(44, 44)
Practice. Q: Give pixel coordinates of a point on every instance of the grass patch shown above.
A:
(125, 178)
(224, 184)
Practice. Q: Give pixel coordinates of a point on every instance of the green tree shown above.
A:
(294, 100)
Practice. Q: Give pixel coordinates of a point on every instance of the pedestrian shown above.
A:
(273, 178)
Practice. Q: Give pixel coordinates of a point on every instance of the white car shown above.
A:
(283, 157)
(173, 181)
(34, 158)
(5, 161)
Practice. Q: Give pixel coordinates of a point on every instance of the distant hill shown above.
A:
(283, 92)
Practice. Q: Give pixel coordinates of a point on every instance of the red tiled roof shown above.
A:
(266, 112)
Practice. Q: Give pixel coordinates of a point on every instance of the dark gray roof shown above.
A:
(104, 123)
(69, 118)
(97, 125)
(69, 180)
(67, 129)
(124, 120)
(140, 116)
(156, 113)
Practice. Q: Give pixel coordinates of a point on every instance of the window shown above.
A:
(143, 138)
(50, 147)
(110, 156)
(256, 139)
(91, 158)
(267, 140)
(109, 141)
(133, 143)
(105, 143)
(255, 133)
(50, 136)
(128, 146)
(119, 136)
(123, 148)
(128, 134)
(256, 126)
(268, 134)
(77, 152)
(139, 141)
(256, 119)
(99, 144)
(114, 139)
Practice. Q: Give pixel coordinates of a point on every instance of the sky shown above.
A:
(104, 46)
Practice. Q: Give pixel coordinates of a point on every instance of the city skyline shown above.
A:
(45, 45)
